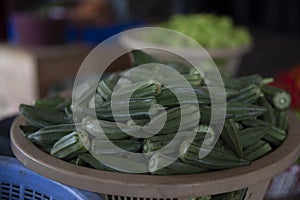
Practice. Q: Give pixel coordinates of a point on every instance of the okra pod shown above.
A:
(42, 117)
(275, 136)
(100, 146)
(99, 128)
(250, 136)
(278, 97)
(268, 116)
(232, 138)
(259, 152)
(49, 135)
(69, 146)
(281, 119)
(160, 164)
(140, 58)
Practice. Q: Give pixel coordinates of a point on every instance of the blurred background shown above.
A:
(43, 42)
(274, 24)
(48, 39)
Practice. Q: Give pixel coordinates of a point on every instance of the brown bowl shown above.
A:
(255, 177)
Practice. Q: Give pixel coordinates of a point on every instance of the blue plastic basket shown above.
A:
(19, 183)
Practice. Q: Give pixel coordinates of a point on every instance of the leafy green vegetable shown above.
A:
(208, 30)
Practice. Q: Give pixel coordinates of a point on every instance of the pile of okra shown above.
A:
(256, 121)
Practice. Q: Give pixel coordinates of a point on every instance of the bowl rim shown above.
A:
(136, 185)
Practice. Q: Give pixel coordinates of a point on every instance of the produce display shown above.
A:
(209, 30)
(256, 122)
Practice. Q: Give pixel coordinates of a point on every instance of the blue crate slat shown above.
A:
(18, 182)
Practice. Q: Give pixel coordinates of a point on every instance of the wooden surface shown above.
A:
(255, 176)
(27, 73)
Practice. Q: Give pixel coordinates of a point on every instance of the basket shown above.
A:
(120, 186)
(18, 183)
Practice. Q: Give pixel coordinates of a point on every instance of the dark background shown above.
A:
(274, 25)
